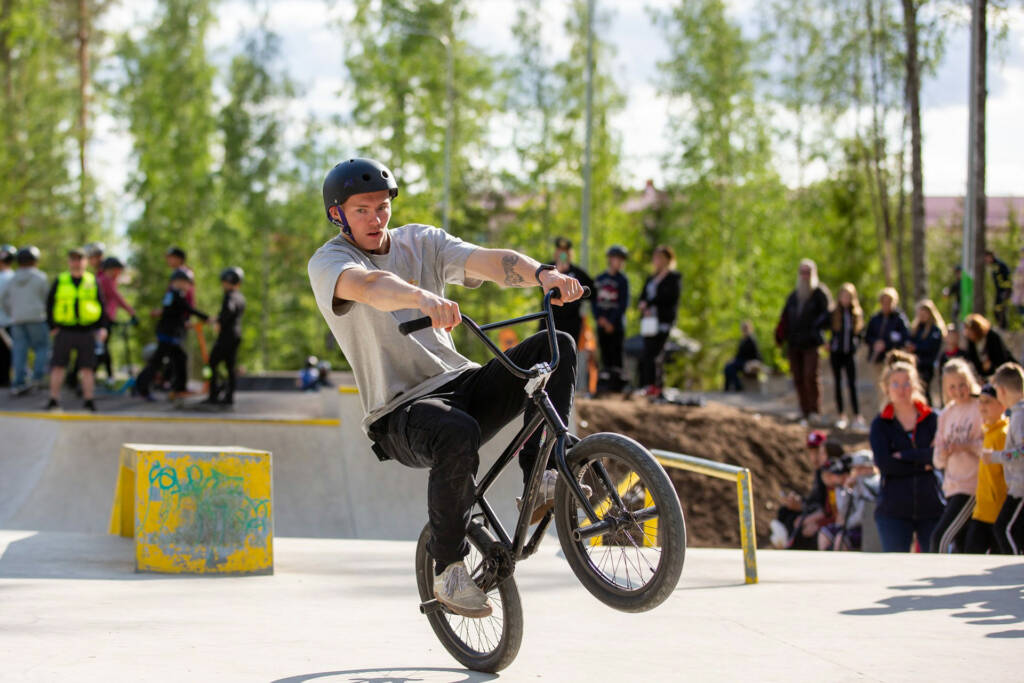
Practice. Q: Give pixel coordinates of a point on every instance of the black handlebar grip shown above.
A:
(557, 293)
(415, 325)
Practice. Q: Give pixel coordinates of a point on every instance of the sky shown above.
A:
(312, 53)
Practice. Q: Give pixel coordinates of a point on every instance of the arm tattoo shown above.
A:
(512, 278)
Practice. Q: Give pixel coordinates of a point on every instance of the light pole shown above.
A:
(587, 170)
(449, 131)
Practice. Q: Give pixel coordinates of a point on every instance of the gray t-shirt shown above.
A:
(390, 368)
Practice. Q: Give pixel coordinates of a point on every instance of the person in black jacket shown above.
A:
(847, 323)
(569, 316)
(229, 336)
(952, 292)
(801, 326)
(658, 304)
(170, 331)
(926, 340)
(610, 302)
(1003, 284)
(986, 349)
(902, 436)
(745, 353)
(887, 329)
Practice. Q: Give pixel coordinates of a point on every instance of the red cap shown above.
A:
(816, 438)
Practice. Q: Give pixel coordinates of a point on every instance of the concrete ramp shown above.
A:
(57, 473)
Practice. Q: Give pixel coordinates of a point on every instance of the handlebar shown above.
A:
(422, 323)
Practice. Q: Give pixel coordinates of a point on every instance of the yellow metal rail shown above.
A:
(744, 496)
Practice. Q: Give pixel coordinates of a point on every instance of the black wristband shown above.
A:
(543, 266)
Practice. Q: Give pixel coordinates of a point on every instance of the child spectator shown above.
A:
(309, 378)
(951, 348)
(957, 453)
(1009, 526)
(75, 316)
(986, 349)
(24, 300)
(991, 491)
(887, 329)
(926, 337)
(800, 517)
(229, 336)
(110, 270)
(170, 331)
(902, 435)
(611, 300)
(858, 488)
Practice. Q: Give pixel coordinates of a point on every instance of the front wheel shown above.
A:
(489, 644)
(635, 565)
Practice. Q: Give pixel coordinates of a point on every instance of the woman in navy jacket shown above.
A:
(926, 339)
(910, 501)
(659, 301)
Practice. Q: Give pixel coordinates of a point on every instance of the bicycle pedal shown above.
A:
(430, 606)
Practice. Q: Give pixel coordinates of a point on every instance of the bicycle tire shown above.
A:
(449, 628)
(623, 458)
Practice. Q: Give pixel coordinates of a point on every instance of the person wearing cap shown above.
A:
(170, 332)
(425, 404)
(610, 301)
(800, 517)
(175, 257)
(94, 255)
(229, 337)
(569, 316)
(855, 482)
(77, 321)
(7, 253)
(23, 300)
(990, 494)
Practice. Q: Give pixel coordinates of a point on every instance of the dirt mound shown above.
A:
(770, 448)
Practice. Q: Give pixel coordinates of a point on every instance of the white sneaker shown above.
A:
(455, 589)
(859, 424)
(842, 423)
(546, 500)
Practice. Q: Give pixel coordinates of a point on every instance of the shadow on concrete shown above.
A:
(57, 555)
(994, 598)
(398, 675)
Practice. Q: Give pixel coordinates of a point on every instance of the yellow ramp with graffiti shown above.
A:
(196, 509)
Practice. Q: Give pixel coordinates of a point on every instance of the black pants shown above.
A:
(732, 375)
(225, 350)
(1009, 527)
(951, 531)
(927, 374)
(844, 362)
(610, 344)
(5, 361)
(443, 432)
(179, 364)
(981, 538)
(652, 363)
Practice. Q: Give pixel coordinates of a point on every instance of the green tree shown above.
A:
(166, 98)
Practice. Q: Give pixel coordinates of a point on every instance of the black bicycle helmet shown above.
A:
(356, 176)
(233, 275)
(111, 262)
(7, 252)
(181, 274)
(28, 255)
(617, 250)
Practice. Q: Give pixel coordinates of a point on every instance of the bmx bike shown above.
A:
(625, 542)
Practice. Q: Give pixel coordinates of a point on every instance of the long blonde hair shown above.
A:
(937, 320)
(898, 361)
(958, 366)
(855, 310)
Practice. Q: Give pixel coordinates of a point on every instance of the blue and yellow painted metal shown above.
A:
(744, 498)
(196, 509)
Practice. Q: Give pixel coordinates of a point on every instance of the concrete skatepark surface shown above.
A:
(342, 606)
(71, 608)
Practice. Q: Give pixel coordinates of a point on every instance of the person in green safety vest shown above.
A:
(75, 313)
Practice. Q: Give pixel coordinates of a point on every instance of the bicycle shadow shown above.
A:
(995, 598)
(393, 675)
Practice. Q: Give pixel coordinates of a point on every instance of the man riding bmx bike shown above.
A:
(426, 405)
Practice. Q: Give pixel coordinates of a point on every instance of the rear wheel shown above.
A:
(635, 564)
(489, 644)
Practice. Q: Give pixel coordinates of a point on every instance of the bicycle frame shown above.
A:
(536, 379)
